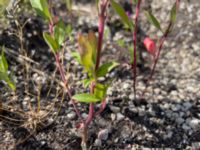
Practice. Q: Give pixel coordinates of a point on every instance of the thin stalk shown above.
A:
(134, 65)
(102, 18)
(61, 71)
(102, 107)
(88, 120)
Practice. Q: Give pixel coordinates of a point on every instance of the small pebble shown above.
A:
(126, 86)
(97, 143)
(71, 115)
(194, 123)
(120, 117)
(187, 105)
(103, 134)
(114, 109)
(179, 120)
(185, 127)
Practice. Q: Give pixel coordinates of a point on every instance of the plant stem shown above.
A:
(134, 65)
(61, 70)
(102, 107)
(102, 18)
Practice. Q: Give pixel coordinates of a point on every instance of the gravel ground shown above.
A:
(168, 118)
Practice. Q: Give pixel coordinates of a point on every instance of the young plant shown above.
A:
(151, 45)
(148, 43)
(133, 27)
(4, 76)
(88, 56)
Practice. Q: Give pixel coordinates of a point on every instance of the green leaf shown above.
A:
(76, 56)
(131, 50)
(87, 51)
(69, 30)
(121, 42)
(86, 98)
(3, 62)
(122, 14)
(173, 14)
(60, 32)
(152, 19)
(41, 7)
(51, 42)
(86, 82)
(106, 68)
(97, 5)
(4, 77)
(69, 5)
(100, 91)
(3, 5)
(135, 1)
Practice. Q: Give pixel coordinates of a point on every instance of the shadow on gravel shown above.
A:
(158, 141)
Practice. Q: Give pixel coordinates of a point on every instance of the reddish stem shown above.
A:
(68, 90)
(102, 18)
(61, 71)
(102, 107)
(134, 65)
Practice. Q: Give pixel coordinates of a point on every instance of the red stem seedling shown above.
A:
(161, 43)
(89, 57)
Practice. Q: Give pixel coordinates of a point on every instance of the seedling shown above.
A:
(88, 56)
(148, 43)
(4, 76)
(151, 46)
(133, 27)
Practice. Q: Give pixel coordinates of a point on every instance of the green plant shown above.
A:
(4, 76)
(149, 43)
(157, 50)
(88, 56)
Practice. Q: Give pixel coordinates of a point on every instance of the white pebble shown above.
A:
(194, 123)
(103, 134)
(120, 117)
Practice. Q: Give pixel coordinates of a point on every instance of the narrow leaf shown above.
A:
(86, 82)
(131, 50)
(106, 68)
(122, 14)
(51, 42)
(3, 62)
(86, 98)
(76, 56)
(86, 52)
(69, 30)
(93, 44)
(152, 19)
(41, 7)
(173, 14)
(100, 91)
(60, 32)
(4, 77)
